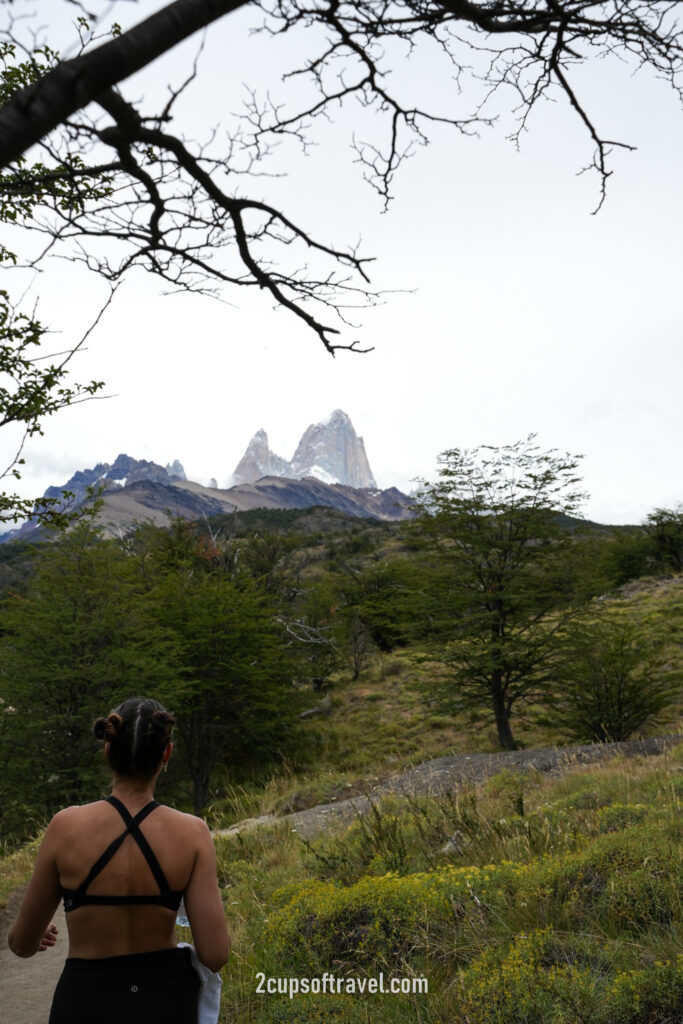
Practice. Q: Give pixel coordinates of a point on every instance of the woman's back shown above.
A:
(122, 865)
(82, 835)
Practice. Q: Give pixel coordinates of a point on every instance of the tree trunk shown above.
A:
(505, 737)
(200, 795)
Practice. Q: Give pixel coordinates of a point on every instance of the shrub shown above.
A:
(314, 1009)
(614, 678)
(376, 843)
(545, 978)
(384, 919)
(651, 996)
(528, 983)
(621, 881)
(620, 816)
(630, 880)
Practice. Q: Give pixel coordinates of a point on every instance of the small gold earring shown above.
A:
(164, 765)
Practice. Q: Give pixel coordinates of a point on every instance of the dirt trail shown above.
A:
(444, 773)
(26, 986)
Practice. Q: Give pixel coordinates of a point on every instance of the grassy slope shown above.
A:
(571, 915)
(603, 963)
(371, 728)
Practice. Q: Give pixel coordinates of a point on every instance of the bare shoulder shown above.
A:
(190, 824)
(69, 817)
(65, 824)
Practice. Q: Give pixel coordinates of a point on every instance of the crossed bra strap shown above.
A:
(79, 897)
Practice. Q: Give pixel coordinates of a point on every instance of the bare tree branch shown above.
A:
(40, 108)
(118, 175)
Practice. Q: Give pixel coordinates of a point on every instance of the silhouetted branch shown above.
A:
(171, 206)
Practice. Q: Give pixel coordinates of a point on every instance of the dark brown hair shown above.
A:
(138, 732)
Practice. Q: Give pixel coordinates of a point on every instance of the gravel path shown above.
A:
(437, 776)
(26, 985)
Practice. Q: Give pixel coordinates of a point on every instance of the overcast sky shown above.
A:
(510, 308)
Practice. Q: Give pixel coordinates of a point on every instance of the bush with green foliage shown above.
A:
(548, 978)
(664, 528)
(315, 1009)
(621, 882)
(614, 676)
(384, 919)
(630, 879)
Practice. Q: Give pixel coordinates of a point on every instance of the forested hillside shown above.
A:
(322, 650)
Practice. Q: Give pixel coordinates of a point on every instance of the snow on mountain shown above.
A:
(330, 451)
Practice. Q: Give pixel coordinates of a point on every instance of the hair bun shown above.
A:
(113, 727)
(108, 728)
(98, 727)
(161, 724)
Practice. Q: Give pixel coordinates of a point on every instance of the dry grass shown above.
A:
(15, 869)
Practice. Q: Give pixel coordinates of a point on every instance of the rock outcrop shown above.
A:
(333, 452)
(330, 451)
(175, 470)
(123, 472)
(259, 461)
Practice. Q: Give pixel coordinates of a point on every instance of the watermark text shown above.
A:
(332, 984)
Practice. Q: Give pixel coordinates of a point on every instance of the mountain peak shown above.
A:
(259, 461)
(175, 469)
(338, 416)
(330, 451)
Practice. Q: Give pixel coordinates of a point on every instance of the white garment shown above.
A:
(209, 989)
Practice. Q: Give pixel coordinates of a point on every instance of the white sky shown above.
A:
(520, 312)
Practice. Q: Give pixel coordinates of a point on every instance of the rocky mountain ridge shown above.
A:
(147, 500)
(329, 469)
(329, 451)
(122, 472)
(154, 495)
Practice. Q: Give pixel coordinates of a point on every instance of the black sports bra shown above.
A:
(74, 898)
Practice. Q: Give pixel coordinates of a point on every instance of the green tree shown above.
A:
(276, 562)
(31, 389)
(664, 529)
(237, 704)
(389, 597)
(630, 552)
(496, 518)
(613, 678)
(624, 556)
(76, 641)
(33, 385)
(375, 605)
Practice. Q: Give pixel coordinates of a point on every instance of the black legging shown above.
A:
(144, 988)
